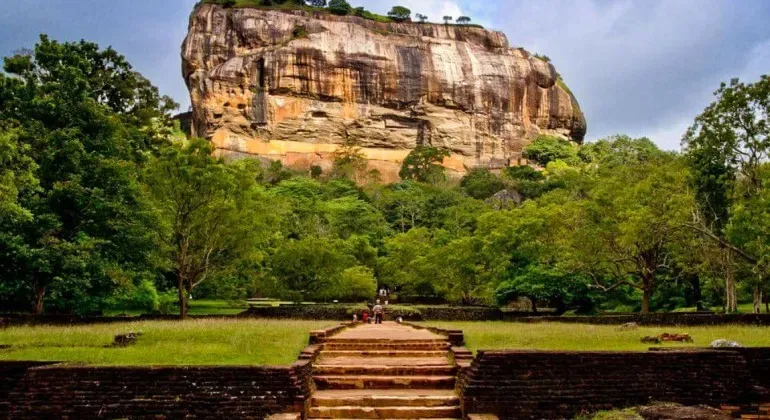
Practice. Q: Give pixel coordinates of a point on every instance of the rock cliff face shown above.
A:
(293, 86)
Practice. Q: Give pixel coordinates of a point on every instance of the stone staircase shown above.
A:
(360, 375)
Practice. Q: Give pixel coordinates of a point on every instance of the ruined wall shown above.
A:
(295, 85)
(554, 385)
(58, 391)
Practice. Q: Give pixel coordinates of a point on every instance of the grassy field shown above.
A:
(197, 307)
(557, 336)
(195, 342)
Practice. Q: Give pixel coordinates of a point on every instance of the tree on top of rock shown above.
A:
(340, 7)
(463, 20)
(422, 18)
(400, 13)
(447, 19)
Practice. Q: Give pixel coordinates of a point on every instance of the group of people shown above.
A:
(377, 310)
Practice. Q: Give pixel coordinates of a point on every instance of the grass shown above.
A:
(194, 342)
(197, 307)
(581, 337)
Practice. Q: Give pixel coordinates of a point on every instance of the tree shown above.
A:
(317, 3)
(423, 164)
(350, 162)
(213, 215)
(627, 230)
(77, 122)
(481, 184)
(400, 13)
(463, 20)
(340, 7)
(310, 268)
(422, 17)
(726, 145)
(546, 149)
(447, 19)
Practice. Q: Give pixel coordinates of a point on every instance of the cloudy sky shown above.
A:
(641, 67)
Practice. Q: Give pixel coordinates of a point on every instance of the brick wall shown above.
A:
(59, 391)
(552, 385)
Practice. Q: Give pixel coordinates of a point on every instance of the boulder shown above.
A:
(722, 343)
(295, 85)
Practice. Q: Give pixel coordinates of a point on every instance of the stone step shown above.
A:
(386, 340)
(384, 353)
(457, 418)
(384, 412)
(332, 370)
(368, 345)
(386, 398)
(383, 382)
(383, 361)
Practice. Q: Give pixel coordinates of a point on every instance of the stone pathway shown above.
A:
(386, 371)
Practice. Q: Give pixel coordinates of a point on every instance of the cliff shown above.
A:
(293, 86)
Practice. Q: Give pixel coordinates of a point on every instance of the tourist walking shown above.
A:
(378, 312)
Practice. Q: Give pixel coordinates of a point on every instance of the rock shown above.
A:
(294, 85)
(722, 343)
(125, 340)
(628, 326)
(651, 340)
(505, 199)
(672, 412)
(681, 338)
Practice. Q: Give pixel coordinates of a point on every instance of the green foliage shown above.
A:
(400, 13)
(340, 7)
(422, 18)
(546, 149)
(423, 164)
(462, 20)
(447, 19)
(481, 184)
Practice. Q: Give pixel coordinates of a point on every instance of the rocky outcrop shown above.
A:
(295, 85)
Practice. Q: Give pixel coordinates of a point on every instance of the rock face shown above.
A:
(293, 86)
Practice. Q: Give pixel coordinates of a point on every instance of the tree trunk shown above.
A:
(39, 295)
(534, 304)
(757, 304)
(731, 294)
(697, 293)
(182, 297)
(646, 300)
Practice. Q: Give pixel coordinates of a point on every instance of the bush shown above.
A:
(481, 184)
(546, 149)
(340, 7)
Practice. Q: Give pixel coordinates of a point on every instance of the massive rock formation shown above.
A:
(293, 86)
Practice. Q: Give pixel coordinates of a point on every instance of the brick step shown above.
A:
(383, 361)
(384, 353)
(384, 382)
(338, 370)
(387, 341)
(384, 412)
(367, 345)
(457, 418)
(386, 398)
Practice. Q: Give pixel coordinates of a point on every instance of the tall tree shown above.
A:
(213, 215)
(81, 121)
(726, 145)
(424, 164)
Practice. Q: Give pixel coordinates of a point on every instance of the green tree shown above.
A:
(400, 13)
(447, 19)
(421, 17)
(481, 184)
(463, 20)
(77, 122)
(424, 164)
(350, 162)
(546, 149)
(356, 284)
(213, 215)
(340, 7)
(729, 141)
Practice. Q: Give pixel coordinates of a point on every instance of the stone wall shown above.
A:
(30, 391)
(552, 385)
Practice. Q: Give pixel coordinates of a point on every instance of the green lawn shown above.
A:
(197, 307)
(557, 336)
(194, 342)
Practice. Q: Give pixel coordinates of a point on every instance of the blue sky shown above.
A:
(643, 67)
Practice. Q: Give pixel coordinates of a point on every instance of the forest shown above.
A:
(104, 203)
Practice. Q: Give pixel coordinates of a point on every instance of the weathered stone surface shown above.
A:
(293, 86)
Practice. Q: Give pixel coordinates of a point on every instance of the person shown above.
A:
(377, 313)
(365, 317)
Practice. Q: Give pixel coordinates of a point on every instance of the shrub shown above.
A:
(340, 7)
(400, 13)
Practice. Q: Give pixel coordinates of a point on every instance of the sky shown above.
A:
(637, 67)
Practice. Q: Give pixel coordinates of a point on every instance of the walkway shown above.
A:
(387, 371)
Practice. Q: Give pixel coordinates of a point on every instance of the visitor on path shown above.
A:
(377, 313)
(365, 317)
